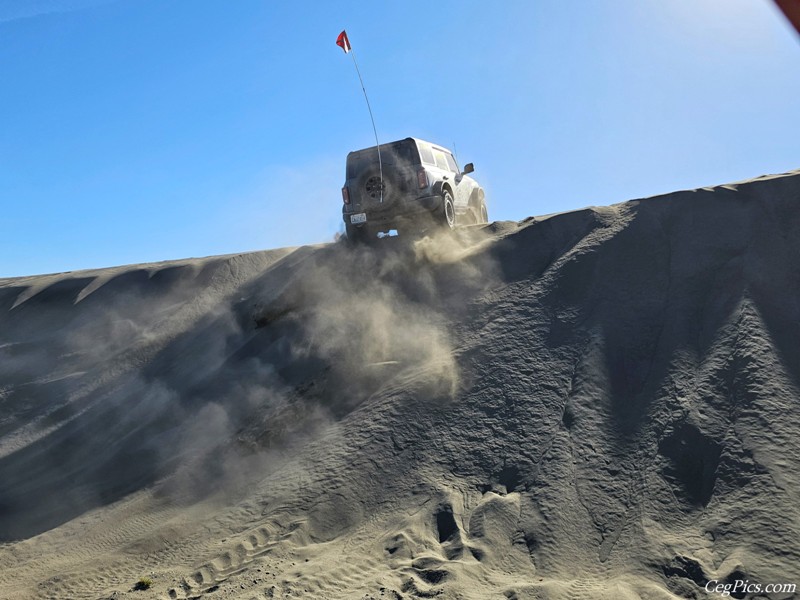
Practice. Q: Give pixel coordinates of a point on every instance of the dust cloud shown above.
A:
(599, 403)
(193, 377)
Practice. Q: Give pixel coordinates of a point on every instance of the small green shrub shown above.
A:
(143, 584)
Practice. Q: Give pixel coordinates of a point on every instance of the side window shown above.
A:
(451, 162)
(441, 161)
(425, 154)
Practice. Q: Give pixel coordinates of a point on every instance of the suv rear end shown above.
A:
(406, 191)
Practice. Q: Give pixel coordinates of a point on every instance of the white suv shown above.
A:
(421, 184)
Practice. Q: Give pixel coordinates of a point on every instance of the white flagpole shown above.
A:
(369, 108)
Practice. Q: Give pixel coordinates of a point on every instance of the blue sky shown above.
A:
(145, 130)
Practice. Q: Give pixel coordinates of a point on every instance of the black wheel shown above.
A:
(447, 211)
(409, 227)
(477, 213)
(359, 235)
(484, 214)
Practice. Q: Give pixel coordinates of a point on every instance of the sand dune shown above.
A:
(587, 405)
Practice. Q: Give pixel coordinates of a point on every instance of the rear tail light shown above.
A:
(345, 195)
(422, 179)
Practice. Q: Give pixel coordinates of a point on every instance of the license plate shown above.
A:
(358, 218)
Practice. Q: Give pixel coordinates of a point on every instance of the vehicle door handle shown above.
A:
(445, 177)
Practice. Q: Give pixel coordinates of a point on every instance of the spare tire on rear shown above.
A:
(369, 186)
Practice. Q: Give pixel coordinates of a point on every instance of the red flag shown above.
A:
(343, 42)
(791, 8)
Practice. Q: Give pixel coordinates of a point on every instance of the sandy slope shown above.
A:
(596, 404)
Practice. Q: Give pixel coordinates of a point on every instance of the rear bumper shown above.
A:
(397, 211)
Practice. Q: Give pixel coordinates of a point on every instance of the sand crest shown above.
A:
(595, 404)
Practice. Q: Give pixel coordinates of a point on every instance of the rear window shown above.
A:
(397, 154)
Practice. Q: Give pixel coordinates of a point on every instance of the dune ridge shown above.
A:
(594, 404)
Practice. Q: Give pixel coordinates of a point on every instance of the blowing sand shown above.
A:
(588, 405)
